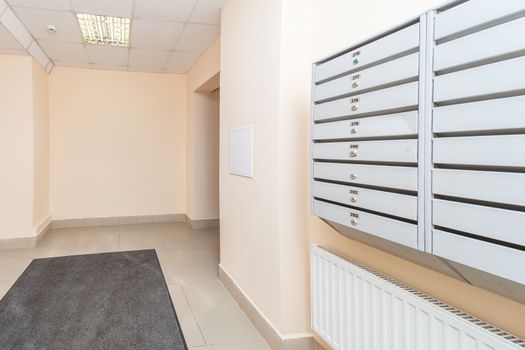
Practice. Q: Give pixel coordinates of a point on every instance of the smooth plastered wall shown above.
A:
(205, 155)
(206, 67)
(202, 135)
(117, 143)
(24, 148)
(295, 43)
(41, 204)
(16, 146)
(250, 80)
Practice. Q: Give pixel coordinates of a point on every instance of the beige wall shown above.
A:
(202, 134)
(265, 221)
(41, 210)
(295, 69)
(205, 155)
(264, 81)
(24, 147)
(250, 79)
(118, 147)
(16, 147)
(334, 31)
(117, 143)
(206, 67)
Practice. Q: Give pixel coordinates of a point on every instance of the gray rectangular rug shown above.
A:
(95, 301)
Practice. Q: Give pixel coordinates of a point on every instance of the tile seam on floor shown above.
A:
(195, 317)
(186, 297)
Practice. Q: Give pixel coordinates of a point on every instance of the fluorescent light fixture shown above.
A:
(104, 30)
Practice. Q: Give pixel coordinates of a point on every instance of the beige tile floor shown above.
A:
(209, 316)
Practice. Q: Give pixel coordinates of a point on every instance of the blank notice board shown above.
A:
(241, 151)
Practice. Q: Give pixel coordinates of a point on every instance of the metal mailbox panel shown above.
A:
(496, 78)
(504, 150)
(401, 205)
(474, 13)
(404, 178)
(499, 224)
(394, 230)
(499, 114)
(401, 69)
(484, 45)
(498, 260)
(402, 124)
(490, 186)
(402, 96)
(404, 151)
(393, 44)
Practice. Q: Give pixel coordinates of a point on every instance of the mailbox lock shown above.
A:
(353, 154)
(355, 107)
(353, 199)
(354, 222)
(355, 61)
(353, 131)
(353, 176)
(355, 84)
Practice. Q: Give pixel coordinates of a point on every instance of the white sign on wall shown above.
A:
(241, 150)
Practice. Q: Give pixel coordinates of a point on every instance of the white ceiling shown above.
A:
(8, 44)
(167, 36)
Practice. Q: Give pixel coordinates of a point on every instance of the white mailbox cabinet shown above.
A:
(476, 197)
(418, 136)
(365, 136)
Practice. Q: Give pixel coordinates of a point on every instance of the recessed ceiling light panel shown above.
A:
(104, 30)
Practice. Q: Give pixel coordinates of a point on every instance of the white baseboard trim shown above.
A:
(50, 223)
(276, 340)
(199, 224)
(15, 243)
(29, 241)
(320, 344)
(117, 220)
(41, 231)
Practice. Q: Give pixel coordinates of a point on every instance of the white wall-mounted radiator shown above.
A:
(357, 308)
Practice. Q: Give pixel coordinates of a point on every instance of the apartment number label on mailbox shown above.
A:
(354, 102)
(356, 76)
(356, 192)
(355, 58)
(354, 215)
(354, 124)
(353, 146)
